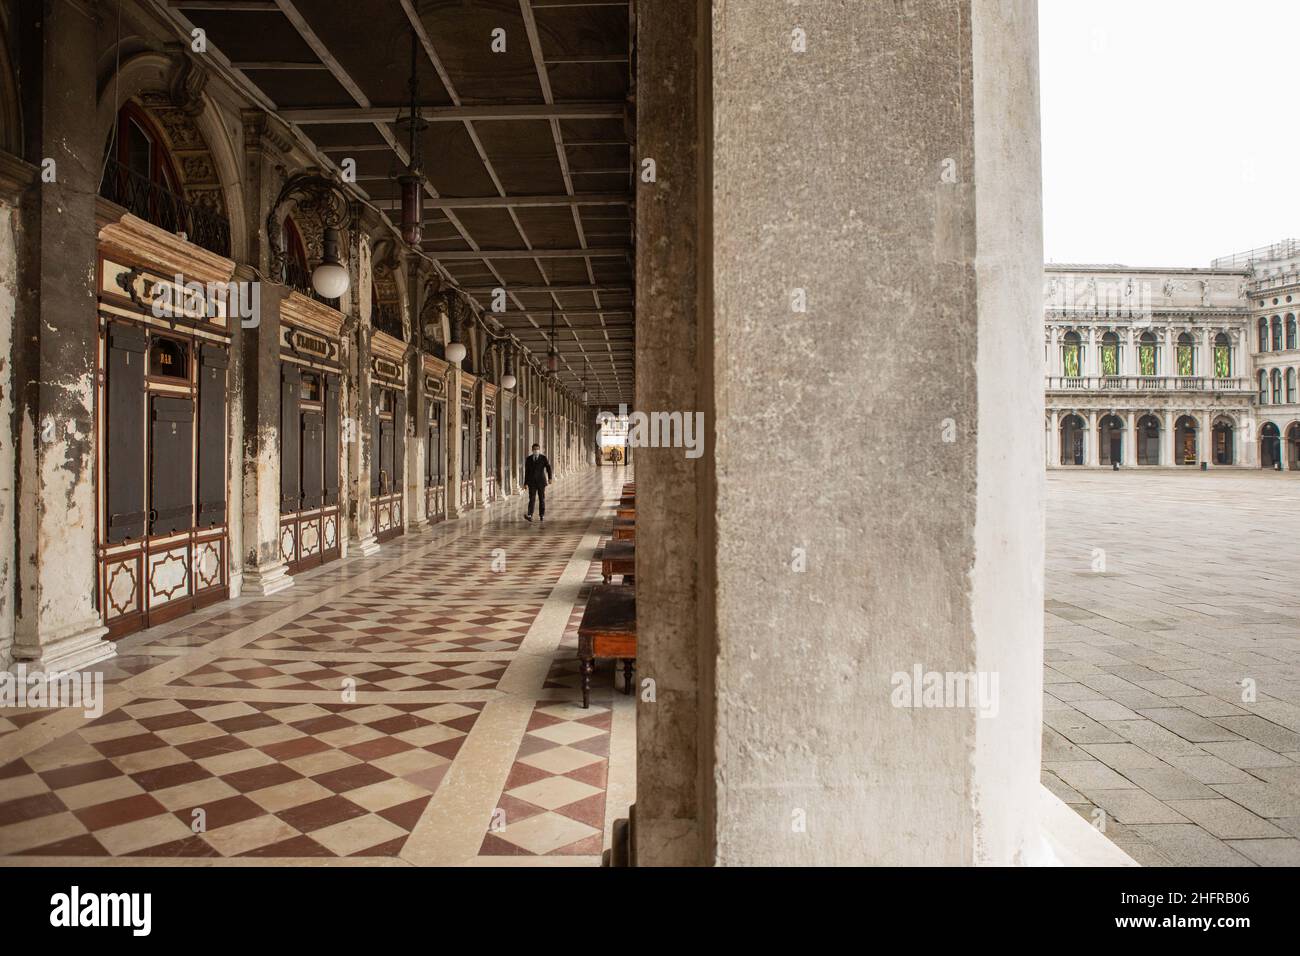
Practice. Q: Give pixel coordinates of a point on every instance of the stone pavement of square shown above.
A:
(1170, 597)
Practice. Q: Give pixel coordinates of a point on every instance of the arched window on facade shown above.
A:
(1110, 354)
(1186, 354)
(1277, 333)
(1277, 386)
(1290, 386)
(1148, 354)
(296, 274)
(1290, 332)
(1263, 334)
(139, 174)
(1222, 356)
(1071, 355)
(1263, 387)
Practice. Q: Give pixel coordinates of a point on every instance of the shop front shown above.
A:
(388, 434)
(161, 424)
(310, 424)
(434, 436)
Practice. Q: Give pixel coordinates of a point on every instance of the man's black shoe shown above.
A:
(528, 517)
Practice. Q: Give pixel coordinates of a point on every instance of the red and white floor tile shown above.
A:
(387, 708)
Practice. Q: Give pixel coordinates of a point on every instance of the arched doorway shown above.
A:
(1111, 440)
(1222, 447)
(1185, 441)
(1073, 432)
(1293, 446)
(1148, 440)
(1270, 451)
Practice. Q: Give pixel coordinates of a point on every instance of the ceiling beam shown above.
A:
(275, 65)
(557, 288)
(255, 6)
(610, 253)
(486, 202)
(456, 114)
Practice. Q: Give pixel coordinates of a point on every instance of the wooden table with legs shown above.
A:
(607, 630)
(618, 557)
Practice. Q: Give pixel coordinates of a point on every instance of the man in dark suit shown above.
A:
(537, 474)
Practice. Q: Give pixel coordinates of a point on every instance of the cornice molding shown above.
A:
(16, 175)
(162, 250)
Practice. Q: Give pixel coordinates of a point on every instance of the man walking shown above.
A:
(537, 474)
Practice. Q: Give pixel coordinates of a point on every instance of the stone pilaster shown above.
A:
(57, 624)
(264, 569)
(361, 529)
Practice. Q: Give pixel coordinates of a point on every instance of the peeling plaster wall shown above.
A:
(8, 461)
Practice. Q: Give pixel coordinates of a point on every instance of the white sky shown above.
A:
(1156, 141)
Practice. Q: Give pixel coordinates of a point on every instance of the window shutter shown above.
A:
(290, 450)
(171, 466)
(125, 429)
(213, 361)
(331, 490)
(313, 458)
(399, 441)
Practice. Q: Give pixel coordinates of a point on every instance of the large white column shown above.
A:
(813, 736)
(1053, 439)
(1092, 445)
(1130, 440)
(1167, 439)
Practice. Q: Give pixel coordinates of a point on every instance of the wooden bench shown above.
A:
(625, 511)
(608, 630)
(624, 529)
(619, 557)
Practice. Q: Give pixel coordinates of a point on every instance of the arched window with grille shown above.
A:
(1290, 386)
(1277, 386)
(1148, 354)
(1071, 352)
(1290, 332)
(1186, 354)
(1222, 356)
(1110, 354)
(1263, 334)
(1277, 333)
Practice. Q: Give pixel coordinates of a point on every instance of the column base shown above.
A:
(267, 581)
(365, 546)
(1069, 840)
(78, 646)
(236, 586)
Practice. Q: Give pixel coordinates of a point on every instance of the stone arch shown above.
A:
(168, 86)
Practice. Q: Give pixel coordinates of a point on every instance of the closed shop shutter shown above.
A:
(171, 492)
(125, 428)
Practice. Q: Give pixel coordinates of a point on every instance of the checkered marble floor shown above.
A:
(381, 704)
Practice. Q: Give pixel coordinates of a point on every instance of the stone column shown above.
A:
(1093, 444)
(453, 443)
(1053, 439)
(57, 624)
(1130, 440)
(1130, 353)
(781, 644)
(265, 571)
(361, 403)
(1167, 439)
(480, 443)
(415, 504)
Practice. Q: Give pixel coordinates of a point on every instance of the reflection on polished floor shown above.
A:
(415, 706)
